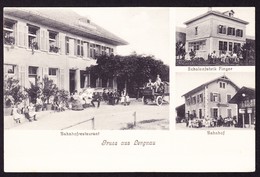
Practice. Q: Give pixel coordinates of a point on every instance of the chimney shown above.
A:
(209, 9)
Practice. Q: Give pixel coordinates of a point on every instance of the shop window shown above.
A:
(8, 32)
(53, 42)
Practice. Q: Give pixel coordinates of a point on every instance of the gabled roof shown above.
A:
(67, 20)
(244, 92)
(222, 78)
(217, 14)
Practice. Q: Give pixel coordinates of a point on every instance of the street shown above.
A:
(107, 117)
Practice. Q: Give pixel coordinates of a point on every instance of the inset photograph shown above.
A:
(86, 68)
(215, 101)
(215, 36)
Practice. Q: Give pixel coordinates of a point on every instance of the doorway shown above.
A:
(72, 80)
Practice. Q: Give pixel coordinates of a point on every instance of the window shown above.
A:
(229, 113)
(239, 33)
(194, 100)
(228, 98)
(215, 97)
(201, 97)
(9, 69)
(222, 29)
(188, 101)
(92, 50)
(52, 71)
(222, 84)
(67, 45)
(32, 74)
(53, 42)
(196, 30)
(231, 31)
(8, 30)
(103, 50)
(199, 45)
(79, 46)
(222, 45)
(230, 46)
(33, 37)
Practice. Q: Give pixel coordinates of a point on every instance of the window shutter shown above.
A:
(224, 29)
(45, 72)
(241, 33)
(211, 96)
(71, 47)
(211, 113)
(46, 40)
(62, 43)
(26, 36)
(85, 49)
(219, 29)
(38, 34)
(22, 75)
(219, 97)
(20, 34)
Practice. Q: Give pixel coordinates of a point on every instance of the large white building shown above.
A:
(215, 31)
(57, 43)
(211, 99)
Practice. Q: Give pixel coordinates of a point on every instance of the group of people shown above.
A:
(155, 85)
(211, 122)
(114, 97)
(226, 57)
(21, 110)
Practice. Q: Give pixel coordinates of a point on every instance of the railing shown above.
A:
(92, 120)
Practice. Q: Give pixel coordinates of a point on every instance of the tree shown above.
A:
(13, 92)
(180, 50)
(49, 89)
(248, 51)
(134, 70)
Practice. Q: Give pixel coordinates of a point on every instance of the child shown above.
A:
(16, 116)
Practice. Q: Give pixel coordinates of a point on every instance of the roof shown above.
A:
(242, 94)
(217, 13)
(67, 20)
(199, 88)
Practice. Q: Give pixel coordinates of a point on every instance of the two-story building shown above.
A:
(57, 43)
(215, 31)
(245, 100)
(211, 100)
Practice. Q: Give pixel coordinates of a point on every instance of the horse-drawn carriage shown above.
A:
(158, 96)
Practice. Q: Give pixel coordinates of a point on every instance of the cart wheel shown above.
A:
(159, 100)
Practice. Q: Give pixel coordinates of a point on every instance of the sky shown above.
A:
(145, 29)
(244, 13)
(187, 81)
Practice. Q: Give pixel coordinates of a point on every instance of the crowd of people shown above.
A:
(76, 101)
(211, 122)
(226, 57)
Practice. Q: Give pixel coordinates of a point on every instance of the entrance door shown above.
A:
(72, 80)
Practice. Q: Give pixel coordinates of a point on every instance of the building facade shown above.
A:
(57, 43)
(245, 100)
(215, 31)
(211, 100)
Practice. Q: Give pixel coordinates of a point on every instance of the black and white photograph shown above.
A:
(215, 101)
(86, 68)
(213, 36)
